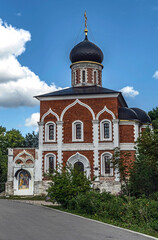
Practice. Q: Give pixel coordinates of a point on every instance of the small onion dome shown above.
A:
(86, 51)
(142, 115)
(126, 113)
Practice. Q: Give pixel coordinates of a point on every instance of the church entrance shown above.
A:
(79, 166)
(80, 162)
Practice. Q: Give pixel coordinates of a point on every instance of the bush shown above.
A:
(66, 184)
(140, 212)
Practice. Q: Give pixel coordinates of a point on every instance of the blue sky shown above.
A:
(36, 37)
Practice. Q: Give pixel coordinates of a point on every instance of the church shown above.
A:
(81, 125)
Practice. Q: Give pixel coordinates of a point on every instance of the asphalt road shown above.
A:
(22, 221)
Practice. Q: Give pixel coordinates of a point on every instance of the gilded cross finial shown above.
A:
(86, 30)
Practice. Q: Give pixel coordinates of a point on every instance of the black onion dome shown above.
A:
(86, 51)
(142, 115)
(126, 113)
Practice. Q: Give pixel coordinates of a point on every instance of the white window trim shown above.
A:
(47, 132)
(81, 71)
(102, 130)
(74, 131)
(96, 76)
(103, 165)
(46, 162)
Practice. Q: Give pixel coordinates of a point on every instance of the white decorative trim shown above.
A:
(136, 131)
(73, 104)
(116, 132)
(46, 163)
(50, 111)
(126, 122)
(102, 130)
(24, 159)
(95, 152)
(81, 74)
(103, 165)
(97, 82)
(59, 141)
(127, 146)
(105, 109)
(85, 96)
(74, 139)
(47, 132)
(79, 157)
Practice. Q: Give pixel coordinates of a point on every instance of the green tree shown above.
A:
(8, 139)
(67, 183)
(31, 140)
(154, 117)
(123, 163)
(144, 174)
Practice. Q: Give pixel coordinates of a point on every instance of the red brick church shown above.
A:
(80, 125)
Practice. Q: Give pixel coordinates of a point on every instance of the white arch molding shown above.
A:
(105, 109)
(79, 157)
(73, 104)
(50, 111)
(28, 157)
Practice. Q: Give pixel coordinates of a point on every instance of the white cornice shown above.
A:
(85, 96)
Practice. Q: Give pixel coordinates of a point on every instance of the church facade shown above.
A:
(81, 125)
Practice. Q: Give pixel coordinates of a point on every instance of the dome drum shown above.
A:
(86, 74)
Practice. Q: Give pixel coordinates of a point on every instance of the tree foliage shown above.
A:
(8, 139)
(144, 174)
(154, 117)
(12, 139)
(67, 183)
(31, 140)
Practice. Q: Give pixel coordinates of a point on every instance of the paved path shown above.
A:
(22, 221)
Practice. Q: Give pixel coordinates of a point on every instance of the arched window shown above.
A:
(50, 132)
(50, 163)
(77, 131)
(106, 164)
(83, 76)
(74, 77)
(79, 166)
(105, 130)
(95, 77)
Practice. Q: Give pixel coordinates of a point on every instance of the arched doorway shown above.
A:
(23, 182)
(79, 166)
(80, 161)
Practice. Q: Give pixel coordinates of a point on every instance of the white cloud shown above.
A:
(32, 121)
(18, 14)
(129, 92)
(18, 84)
(155, 75)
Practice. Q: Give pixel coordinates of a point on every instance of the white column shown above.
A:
(116, 143)
(95, 142)
(136, 131)
(116, 132)
(40, 124)
(38, 160)
(59, 140)
(10, 165)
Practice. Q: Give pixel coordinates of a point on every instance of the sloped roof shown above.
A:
(87, 90)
